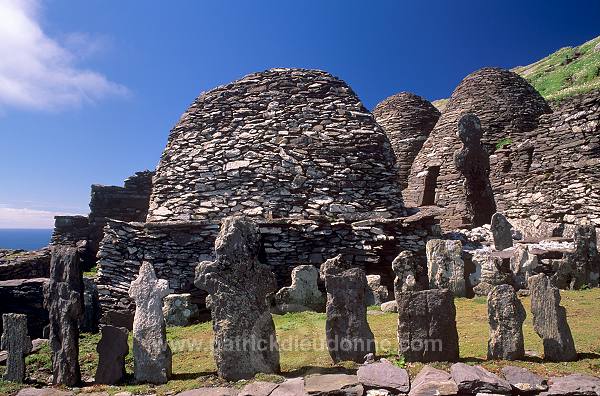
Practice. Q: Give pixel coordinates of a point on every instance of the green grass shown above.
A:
(568, 71)
(302, 336)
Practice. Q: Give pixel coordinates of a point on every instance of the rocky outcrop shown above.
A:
(446, 268)
(179, 310)
(237, 285)
(151, 353)
(506, 316)
(112, 349)
(407, 120)
(550, 320)
(303, 294)
(349, 336)
(427, 326)
(17, 344)
(63, 298)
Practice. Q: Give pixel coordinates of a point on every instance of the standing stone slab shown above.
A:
(431, 381)
(179, 310)
(427, 326)
(63, 298)
(238, 285)
(522, 265)
(410, 273)
(472, 380)
(17, 344)
(376, 293)
(349, 336)
(89, 319)
(151, 353)
(445, 266)
(582, 265)
(473, 163)
(506, 316)
(550, 320)
(501, 232)
(112, 349)
(303, 294)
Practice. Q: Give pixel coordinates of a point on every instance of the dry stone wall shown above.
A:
(277, 144)
(175, 249)
(407, 120)
(20, 264)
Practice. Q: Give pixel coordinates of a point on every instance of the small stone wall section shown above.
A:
(20, 264)
(277, 144)
(407, 120)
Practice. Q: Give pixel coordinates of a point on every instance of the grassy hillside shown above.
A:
(568, 71)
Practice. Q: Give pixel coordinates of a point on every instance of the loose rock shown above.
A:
(303, 294)
(409, 273)
(390, 306)
(376, 293)
(475, 379)
(333, 384)
(179, 310)
(384, 375)
(523, 380)
(431, 381)
(573, 385)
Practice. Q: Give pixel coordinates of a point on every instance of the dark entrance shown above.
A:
(428, 197)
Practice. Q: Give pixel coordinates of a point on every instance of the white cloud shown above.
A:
(37, 72)
(27, 218)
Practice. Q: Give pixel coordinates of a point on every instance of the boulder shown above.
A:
(217, 391)
(43, 392)
(63, 298)
(427, 326)
(410, 272)
(112, 349)
(390, 306)
(333, 385)
(238, 285)
(501, 232)
(431, 381)
(290, 387)
(376, 293)
(151, 354)
(303, 294)
(445, 266)
(349, 336)
(17, 345)
(179, 310)
(550, 320)
(506, 316)
(573, 385)
(522, 264)
(258, 388)
(384, 375)
(475, 379)
(523, 380)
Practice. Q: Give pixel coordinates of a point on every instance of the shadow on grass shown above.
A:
(308, 370)
(191, 376)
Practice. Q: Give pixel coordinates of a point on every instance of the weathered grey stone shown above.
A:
(582, 267)
(475, 379)
(217, 391)
(17, 344)
(573, 385)
(506, 316)
(409, 272)
(501, 232)
(427, 326)
(151, 353)
(550, 320)
(290, 387)
(349, 336)
(376, 293)
(431, 381)
(473, 163)
(63, 298)
(446, 268)
(89, 319)
(112, 349)
(384, 375)
(523, 380)
(333, 385)
(522, 265)
(378, 392)
(179, 310)
(303, 294)
(494, 271)
(43, 392)
(390, 306)
(238, 285)
(258, 388)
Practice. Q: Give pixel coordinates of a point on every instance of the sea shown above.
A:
(26, 239)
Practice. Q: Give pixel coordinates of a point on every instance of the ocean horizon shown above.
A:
(24, 238)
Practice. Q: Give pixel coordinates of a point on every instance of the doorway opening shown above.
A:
(430, 185)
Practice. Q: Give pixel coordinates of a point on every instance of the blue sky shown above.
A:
(90, 89)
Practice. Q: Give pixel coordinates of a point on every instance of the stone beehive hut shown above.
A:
(277, 144)
(507, 107)
(407, 120)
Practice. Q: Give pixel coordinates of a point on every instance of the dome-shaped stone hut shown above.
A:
(407, 120)
(507, 107)
(277, 144)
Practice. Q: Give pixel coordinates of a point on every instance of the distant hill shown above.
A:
(568, 71)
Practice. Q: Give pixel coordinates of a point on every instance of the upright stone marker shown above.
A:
(550, 320)
(501, 232)
(303, 294)
(376, 292)
(63, 298)
(409, 273)
(112, 350)
(506, 316)
(151, 353)
(427, 326)
(237, 284)
(473, 163)
(349, 336)
(16, 342)
(445, 266)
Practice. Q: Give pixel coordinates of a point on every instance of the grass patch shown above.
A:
(302, 342)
